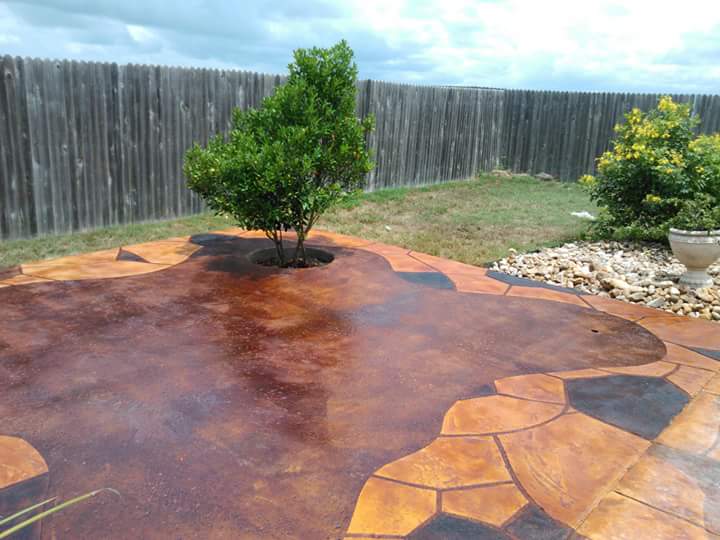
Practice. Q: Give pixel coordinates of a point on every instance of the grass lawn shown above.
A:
(473, 221)
(49, 247)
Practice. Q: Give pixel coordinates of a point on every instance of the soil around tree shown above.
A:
(313, 257)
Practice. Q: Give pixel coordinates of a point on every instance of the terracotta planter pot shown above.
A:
(696, 250)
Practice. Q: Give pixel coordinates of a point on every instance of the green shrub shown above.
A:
(699, 214)
(282, 165)
(654, 167)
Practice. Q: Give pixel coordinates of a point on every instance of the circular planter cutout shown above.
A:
(268, 257)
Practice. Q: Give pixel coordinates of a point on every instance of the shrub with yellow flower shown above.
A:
(655, 163)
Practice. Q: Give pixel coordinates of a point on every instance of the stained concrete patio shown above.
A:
(389, 394)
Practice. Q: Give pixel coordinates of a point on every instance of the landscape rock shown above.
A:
(544, 176)
(583, 215)
(501, 173)
(614, 283)
(705, 295)
(632, 272)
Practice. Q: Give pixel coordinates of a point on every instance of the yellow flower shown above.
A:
(666, 104)
(587, 180)
(676, 158)
(654, 199)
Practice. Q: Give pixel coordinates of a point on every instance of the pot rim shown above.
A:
(695, 233)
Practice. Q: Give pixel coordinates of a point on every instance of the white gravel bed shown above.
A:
(637, 273)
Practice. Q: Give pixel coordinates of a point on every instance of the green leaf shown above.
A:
(26, 511)
(53, 510)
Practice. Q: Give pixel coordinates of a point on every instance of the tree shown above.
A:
(282, 165)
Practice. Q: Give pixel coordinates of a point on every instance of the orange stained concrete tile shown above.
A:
(477, 283)
(230, 231)
(342, 240)
(658, 483)
(163, 251)
(19, 461)
(185, 239)
(448, 266)
(621, 518)
(86, 266)
(370, 538)
(685, 331)
(567, 465)
(624, 310)
(653, 369)
(580, 374)
(542, 293)
(494, 414)
(690, 379)
(105, 255)
(714, 385)
(537, 386)
(243, 233)
(388, 508)
(696, 428)
(79, 270)
(491, 504)
(21, 279)
(399, 258)
(681, 355)
(450, 462)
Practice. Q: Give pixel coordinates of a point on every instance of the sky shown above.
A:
(598, 45)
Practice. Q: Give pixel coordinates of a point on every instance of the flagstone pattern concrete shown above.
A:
(23, 481)
(603, 424)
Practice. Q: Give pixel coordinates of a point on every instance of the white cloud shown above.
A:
(140, 34)
(622, 43)
(647, 45)
(8, 38)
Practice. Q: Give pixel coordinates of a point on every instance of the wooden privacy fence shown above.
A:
(85, 145)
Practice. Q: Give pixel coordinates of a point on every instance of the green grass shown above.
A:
(48, 247)
(473, 221)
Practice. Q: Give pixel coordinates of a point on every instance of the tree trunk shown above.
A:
(279, 248)
(280, 252)
(300, 249)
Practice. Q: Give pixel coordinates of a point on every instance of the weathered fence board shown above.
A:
(85, 145)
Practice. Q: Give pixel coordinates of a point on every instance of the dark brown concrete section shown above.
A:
(9, 271)
(229, 400)
(124, 255)
(534, 524)
(19, 496)
(644, 406)
(445, 527)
